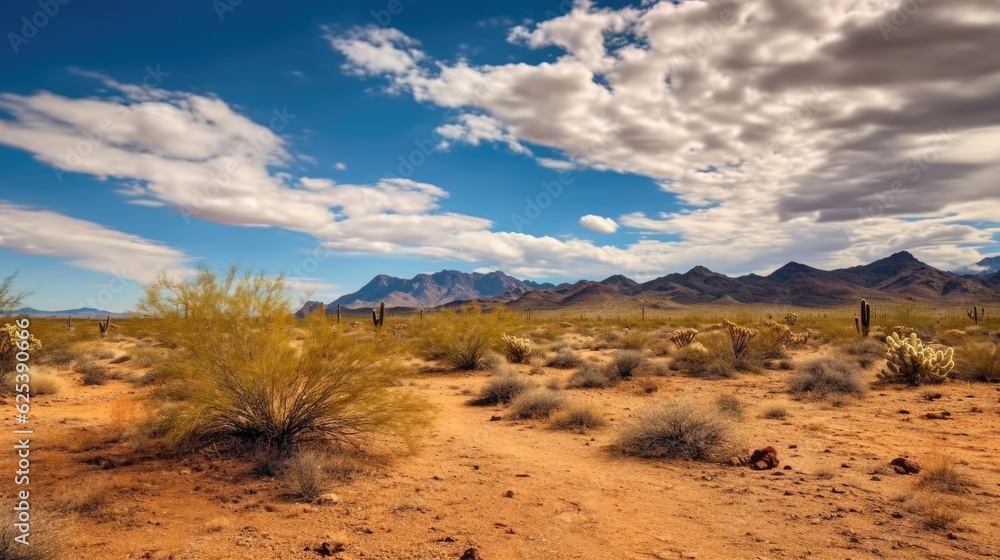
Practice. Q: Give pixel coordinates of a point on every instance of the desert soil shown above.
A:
(519, 490)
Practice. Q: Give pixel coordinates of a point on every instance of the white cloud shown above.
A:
(598, 224)
(86, 244)
(777, 124)
(340, 166)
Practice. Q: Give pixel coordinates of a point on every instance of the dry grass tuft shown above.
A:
(578, 417)
(678, 430)
(305, 475)
(501, 389)
(827, 377)
(536, 403)
(590, 376)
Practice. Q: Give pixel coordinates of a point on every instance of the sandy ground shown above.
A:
(519, 490)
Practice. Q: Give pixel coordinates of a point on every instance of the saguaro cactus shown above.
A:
(378, 318)
(974, 314)
(105, 326)
(864, 324)
(338, 312)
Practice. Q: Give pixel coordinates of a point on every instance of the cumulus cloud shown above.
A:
(783, 128)
(340, 166)
(599, 224)
(86, 244)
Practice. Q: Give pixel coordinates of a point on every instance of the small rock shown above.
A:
(793, 446)
(764, 459)
(470, 554)
(845, 466)
(904, 411)
(943, 415)
(876, 479)
(952, 536)
(330, 498)
(508, 494)
(787, 467)
(496, 418)
(897, 515)
(905, 465)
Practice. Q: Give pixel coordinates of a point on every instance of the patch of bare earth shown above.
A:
(519, 490)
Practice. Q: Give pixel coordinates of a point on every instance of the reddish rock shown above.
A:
(905, 465)
(764, 459)
(738, 461)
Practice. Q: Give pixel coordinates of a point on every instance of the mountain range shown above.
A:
(80, 312)
(899, 277)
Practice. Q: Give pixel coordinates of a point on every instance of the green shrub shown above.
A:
(536, 403)
(247, 385)
(678, 430)
(58, 357)
(590, 376)
(577, 417)
(462, 338)
(501, 389)
(827, 376)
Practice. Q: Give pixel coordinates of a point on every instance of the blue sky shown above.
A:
(333, 141)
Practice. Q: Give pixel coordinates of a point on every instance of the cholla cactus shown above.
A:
(791, 318)
(797, 339)
(908, 360)
(518, 349)
(9, 340)
(683, 337)
(740, 337)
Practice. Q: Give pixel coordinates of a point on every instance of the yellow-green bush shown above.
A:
(249, 383)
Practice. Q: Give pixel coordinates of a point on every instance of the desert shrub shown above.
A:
(826, 377)
(577, 417)
(250, 387)
(305, 475)
(633, 339)
(91, 373)
(730, 406)
(462, 339)
(943, 476)
(12, 341)
(45, 540)
(625, 363)
(517, 349)
(697, 361)
(775, 411)
(44, 383)
(493, 361)
(9, 299)
(565, 358)
(501, 389)
(104, 354)
(58, 357)
(536, 403)
(769, 344)
(590, 376)
(980, 362)
(537, 364)
(679, 430)
(867, 351)
(121, 359)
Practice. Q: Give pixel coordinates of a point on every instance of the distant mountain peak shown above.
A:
(434, 289)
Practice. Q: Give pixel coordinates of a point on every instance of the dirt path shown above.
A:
(519, 490)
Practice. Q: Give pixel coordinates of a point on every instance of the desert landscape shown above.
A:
(708, 431)
(531, 279)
